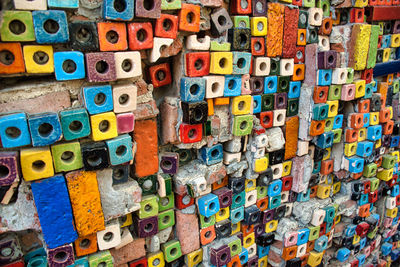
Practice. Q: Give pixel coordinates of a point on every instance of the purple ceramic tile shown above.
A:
(146, 227)
(280, 101)
(169, 163)
(100, 67)
(9, 170)
(268, 215)
(257, 85)
(10, 249)
(224, 196)
(220, 256)
(61, 256)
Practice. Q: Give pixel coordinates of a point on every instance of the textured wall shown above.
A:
(199, 133)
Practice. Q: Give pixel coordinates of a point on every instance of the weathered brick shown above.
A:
(21, 215)
(301, 170)
(120, 199)
(52, 102)
(187, 230)
(311, 63)
(146, 110)
(132, 251)
(169, 120)
(290, 32)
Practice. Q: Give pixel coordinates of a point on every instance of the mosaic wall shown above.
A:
(199, 133)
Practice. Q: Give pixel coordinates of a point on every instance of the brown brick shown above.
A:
(187, 230)
(311, 64)
(53, 102)
(290, 32)
(130, 252)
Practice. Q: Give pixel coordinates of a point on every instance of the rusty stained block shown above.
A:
(275, 29)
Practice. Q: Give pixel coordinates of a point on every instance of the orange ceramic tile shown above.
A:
(85, 245)
(357, 15)
(301, 37)
(313, 191)
(112, 36)
(363, 211)
(266, 119)
(378, 162)
(140, 35)
(262, 203)
(363, 105)
(384, 115)
(246, 229)
(317, 127)
(326, 26)
(320, 94)
(166, 26)
(11, 58)
(289, 253)
(387, 128)
(356, 120)
(389, 79)
(356, 176)
(258, 46)
(189, 18)
(160, 75)
(351, 135)
(221, 183)
(304, 260)
(235, 262)
(326, 166)
(207, 235)
(298, 72)
(310, 245)
(382, 89)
